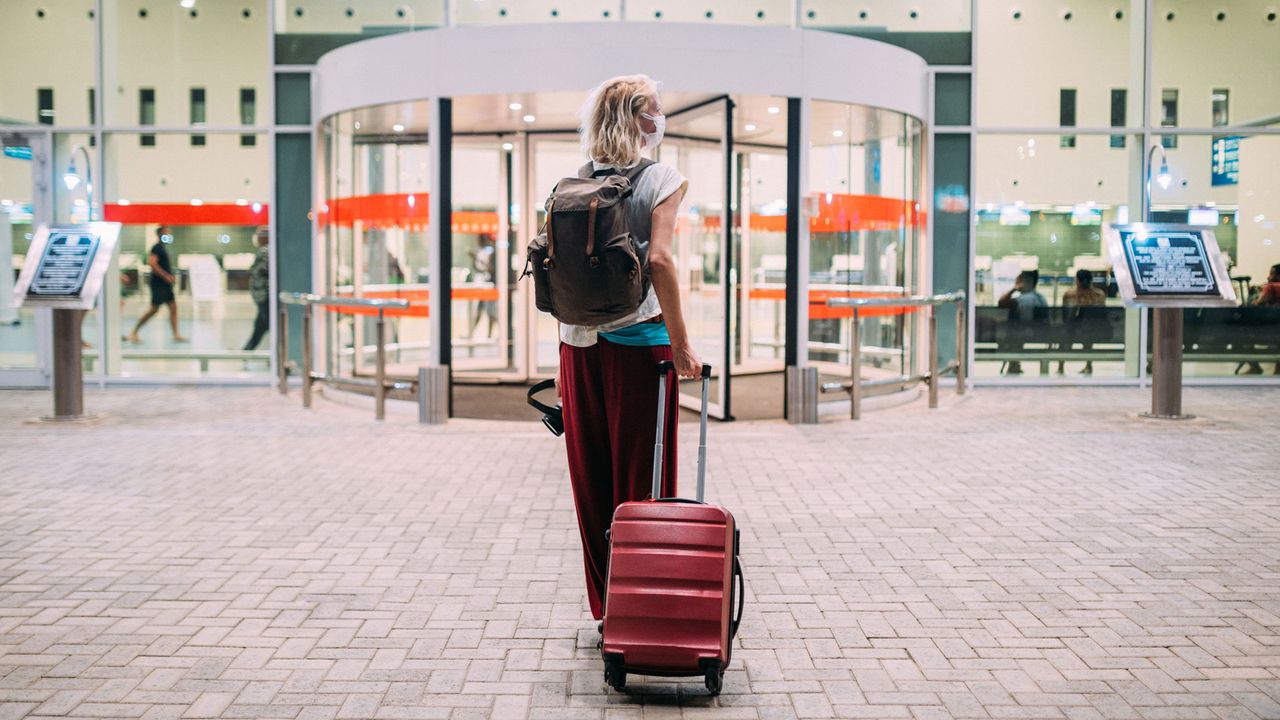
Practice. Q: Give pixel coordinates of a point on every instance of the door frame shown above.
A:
(42, 213)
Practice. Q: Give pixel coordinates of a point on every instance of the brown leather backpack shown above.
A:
(588, 267)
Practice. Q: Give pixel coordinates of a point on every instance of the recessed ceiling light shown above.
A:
(197, 202)
(529, 118)
(121, 201)
(774, 109)
(357, 124)
(837, 133)
(398, 127)
(749, 127)
(515, 106)
(241, 202)
(507, 146)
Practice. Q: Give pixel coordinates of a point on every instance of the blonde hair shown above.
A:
(610, 119)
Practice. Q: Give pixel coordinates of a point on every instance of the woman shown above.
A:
(608, 378)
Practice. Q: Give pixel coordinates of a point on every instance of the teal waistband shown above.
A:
(645, 334)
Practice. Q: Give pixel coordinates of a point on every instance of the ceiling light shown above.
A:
(837, 133)
(398, 127)
(197, 202)
(122, 201)
(357, 124)
(507, 146)
(515, 106)
(749, 127)
(257, 207)
(529, 118)
(188, 4)
(241, 202)
(774, 109)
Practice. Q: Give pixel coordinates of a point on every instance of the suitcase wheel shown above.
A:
(614, 676)
(715, 681)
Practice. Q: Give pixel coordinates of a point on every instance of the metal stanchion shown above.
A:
(68, 367)
(306, 356)
(380, 379)
(1166, 363)
(962, 332)
(282, 349)
(855, 363)
(933, 357)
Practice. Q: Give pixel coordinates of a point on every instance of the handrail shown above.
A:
(905, 301)
(309, 300)
(856, 384)
(297, 298)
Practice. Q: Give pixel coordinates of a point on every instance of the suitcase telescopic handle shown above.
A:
(665, 369)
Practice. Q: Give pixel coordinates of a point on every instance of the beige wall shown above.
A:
(1258, 243)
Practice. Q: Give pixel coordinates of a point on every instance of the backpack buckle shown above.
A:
(548, 263)
(594, 262)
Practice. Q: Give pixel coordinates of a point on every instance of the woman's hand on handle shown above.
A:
(688, 364)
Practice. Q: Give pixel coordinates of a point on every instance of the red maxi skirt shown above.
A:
(609, 394)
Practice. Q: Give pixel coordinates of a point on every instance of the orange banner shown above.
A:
(842, 213)
(418, 301)
(400, 210)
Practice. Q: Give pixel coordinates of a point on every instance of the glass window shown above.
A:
(197, 114)
(1044, 300)
(248, 114)
(1026, 52)
(17, 212)
(31, 29)
(146, 114)
(1067, 115)
(1221, 107)
(44, 100)
(865, 175)
(189, 234)
(219, 46)
(305, 30)
(372, 219)
(1198, 47)
(1119, 101)
(1169, 115)
(1232, 184)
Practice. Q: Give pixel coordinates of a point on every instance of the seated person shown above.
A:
(1269, 296)
(1084, 294)
(1022, 302)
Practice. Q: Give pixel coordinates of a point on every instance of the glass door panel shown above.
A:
(761, 267)
(23, 331)
(697, 146)
(552, 157)
(480, 275)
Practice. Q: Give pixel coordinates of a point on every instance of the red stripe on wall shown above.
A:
(186, 214)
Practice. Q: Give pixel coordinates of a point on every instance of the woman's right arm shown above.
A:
(666, 284)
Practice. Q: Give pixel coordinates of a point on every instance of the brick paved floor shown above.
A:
(1017, 554)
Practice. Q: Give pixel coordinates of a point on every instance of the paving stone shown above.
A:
(1015, 554)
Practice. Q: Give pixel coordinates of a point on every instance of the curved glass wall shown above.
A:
(865, 177)
(508, 152)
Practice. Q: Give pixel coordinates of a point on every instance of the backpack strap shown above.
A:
(638, 168)
(589, 171)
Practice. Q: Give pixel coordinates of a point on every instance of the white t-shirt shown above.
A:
(657, 183)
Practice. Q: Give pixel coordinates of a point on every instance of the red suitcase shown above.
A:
(674, 594)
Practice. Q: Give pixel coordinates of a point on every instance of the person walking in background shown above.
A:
(1084, 294)
(162, 283)
(482, 265)
(259, 288)
(608, 373)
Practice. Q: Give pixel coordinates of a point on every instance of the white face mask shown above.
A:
(652, 139)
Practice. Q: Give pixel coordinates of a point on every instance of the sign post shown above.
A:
(63, 270)
(1166, 268)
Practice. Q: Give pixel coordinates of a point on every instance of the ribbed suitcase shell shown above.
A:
(667, 601)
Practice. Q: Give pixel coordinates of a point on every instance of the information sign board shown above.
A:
(1161, 265)
(1225, 169)
(65, 266)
